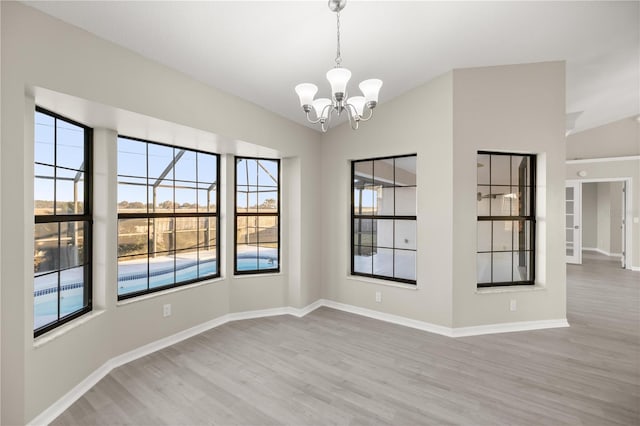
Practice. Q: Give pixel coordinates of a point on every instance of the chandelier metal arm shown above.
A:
(369, 117)
(352, 114)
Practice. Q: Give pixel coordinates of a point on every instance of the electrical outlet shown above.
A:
(378, 296)
(513, 306)
(166, 310)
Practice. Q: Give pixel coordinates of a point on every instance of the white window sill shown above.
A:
(511, 289)
(168, 291)
(267, 274)
(66, 328)
(382, 282)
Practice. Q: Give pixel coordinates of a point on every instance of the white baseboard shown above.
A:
(394, 319)
(449, 331)
(58, 407)
(635, 268)
(606, 253)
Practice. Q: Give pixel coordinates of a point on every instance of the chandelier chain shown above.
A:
(338, 56)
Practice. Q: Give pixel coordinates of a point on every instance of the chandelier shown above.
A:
(358, 108)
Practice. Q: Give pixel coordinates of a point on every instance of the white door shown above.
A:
(573, 201)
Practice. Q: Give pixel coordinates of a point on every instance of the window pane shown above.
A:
(186, 198)
(502, 267)
(568, 193)
(45, 257)
(132, 195)
(207, 262)
(206, 200)
(383, 262)
(69, 192)
(69, 145)
(522, 235)
(161, 197)
(484, 268)
(362, 260)
(405, 171)
(500, 170)
(186, 265)
(207, 168)
(383, 173)
(405, 234)
(364, 233)
(132, 158)
(268, 202)
(521, 262)
(162, 235)
(268, 257)
(268, 229)
(500, 205)
(483, 166)
(44, 139)
(502, 235)
(43, 190)
(133, 237)
(363, 173)
(185, 166)
(484, 235)
(207, 233)
(132, 274)
(246, 257)
(160, 162)
(72, 244)
(186, 233)
(268, 173)
(72, 290)
(520, 170)
(364, 200)
(45, 303)
(162, 269)
(405, 264)
(385, 200)
(242, 172)
(483, 197)
(405, 201)
(383, 235)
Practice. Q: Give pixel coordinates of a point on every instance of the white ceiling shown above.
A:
(260, 50)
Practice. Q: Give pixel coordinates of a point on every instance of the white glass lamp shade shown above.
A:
(358, 104)
(306, 92)
(338, 79)
(370, 89)
(320, 105)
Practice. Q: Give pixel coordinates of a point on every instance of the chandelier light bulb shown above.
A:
(358, 104)
(338, 79)
(306, 92)
(370, 89)
(320, 106)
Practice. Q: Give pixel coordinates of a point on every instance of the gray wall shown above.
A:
(615, 217)
(590, 215)
(604, 216)
(55, 65)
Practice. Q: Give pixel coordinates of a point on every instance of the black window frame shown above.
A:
(530, 218)
(86, 216)
(149, 216)
(393, 217)
(247, 214)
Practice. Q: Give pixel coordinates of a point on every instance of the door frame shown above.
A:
(628, 217)
(577, 221)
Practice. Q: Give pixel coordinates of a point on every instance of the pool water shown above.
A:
(46, 306)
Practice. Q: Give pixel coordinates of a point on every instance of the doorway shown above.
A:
(596, 218)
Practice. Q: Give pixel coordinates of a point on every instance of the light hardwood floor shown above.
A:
(332, 367)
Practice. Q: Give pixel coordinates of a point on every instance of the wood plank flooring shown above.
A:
(332, 367)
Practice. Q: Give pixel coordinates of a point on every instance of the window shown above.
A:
(506, 219)
(257, 216)
(167, 216)
(383, 217)
(62, 210)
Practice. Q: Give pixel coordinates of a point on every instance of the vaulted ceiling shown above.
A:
(260, 50)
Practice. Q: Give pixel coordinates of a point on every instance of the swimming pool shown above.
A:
(133, 278)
